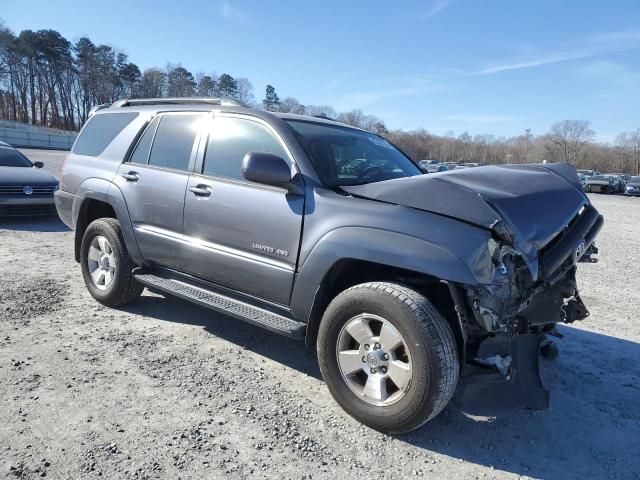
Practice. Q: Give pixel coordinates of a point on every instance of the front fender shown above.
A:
(378, 246)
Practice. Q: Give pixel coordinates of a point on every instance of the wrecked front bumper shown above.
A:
(538, 294)
(512, 314)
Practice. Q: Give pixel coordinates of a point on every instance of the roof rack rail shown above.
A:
(324, 117)
(132, 102)
(96, 108)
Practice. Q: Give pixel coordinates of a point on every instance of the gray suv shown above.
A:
(324, 232)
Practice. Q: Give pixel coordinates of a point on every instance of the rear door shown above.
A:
(153, 182)
(242, 235)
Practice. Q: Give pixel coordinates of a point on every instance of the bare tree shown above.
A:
(355, 118)
(245, 91)
(568, 139)
(320, 111)
(152, 84)
(291, 105)
(207, 85)
(629, 145)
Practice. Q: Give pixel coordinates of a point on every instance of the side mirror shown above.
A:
(38, 164)
(267, 169)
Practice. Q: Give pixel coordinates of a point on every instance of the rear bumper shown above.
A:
(27, 206)
(64, 205)
(594, 187)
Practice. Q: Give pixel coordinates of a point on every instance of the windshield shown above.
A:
(344, 156)
(601, 178)
(634, 180)
(13, 158)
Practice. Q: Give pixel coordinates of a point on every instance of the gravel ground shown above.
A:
(165, 389)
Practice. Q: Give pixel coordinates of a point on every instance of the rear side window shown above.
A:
(174, 141)
(230, 139)
(99, 131)
(141, 153)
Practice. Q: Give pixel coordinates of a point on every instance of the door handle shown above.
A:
(201, 190)
(131, 176)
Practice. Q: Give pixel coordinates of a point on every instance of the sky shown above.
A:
(478, 66)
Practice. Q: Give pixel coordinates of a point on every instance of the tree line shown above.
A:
(47, 80)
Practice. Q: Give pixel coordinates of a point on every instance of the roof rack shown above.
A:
(132, 102)
(96, 108)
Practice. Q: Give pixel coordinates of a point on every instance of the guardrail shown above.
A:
(32, 139)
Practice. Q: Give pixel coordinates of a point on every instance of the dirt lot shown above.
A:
(164, 389)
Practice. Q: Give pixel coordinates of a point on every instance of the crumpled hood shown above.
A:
(535, 201)
(25, 176)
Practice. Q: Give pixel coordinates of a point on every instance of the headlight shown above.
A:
(503, 233)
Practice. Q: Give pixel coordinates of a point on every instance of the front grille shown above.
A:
(560, 254)
(19, 189)
(27, 210)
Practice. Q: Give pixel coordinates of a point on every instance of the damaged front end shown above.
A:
(520, 303)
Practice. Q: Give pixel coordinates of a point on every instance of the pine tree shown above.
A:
(180, 83)
(271, 100)
(228, 86)
(207, 86)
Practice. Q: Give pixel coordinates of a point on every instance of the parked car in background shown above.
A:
(618, 182)
(601, 184)
(25, 190)
(625, 177)
(583, 175)
(432, 166)
(633, 187)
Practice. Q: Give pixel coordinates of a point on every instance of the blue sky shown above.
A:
(481, 66)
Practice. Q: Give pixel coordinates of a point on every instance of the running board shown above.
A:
(224, 304)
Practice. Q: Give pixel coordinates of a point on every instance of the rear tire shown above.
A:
(428, 348)
(106, 265)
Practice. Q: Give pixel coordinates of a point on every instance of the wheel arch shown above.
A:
(98, 198)
(351, 256)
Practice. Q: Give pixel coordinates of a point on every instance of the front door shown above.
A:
(154, 181)
(243, 235)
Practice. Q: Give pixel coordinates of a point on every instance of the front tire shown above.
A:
(410, 369)
(106, 265)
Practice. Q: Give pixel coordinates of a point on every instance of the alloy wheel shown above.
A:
(374, 359)
(102, 262)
